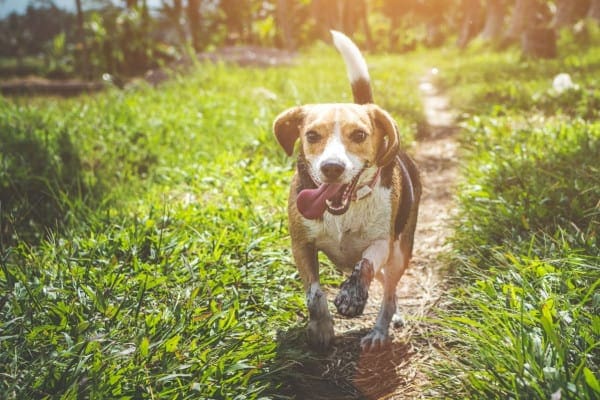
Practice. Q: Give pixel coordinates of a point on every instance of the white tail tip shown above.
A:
(356, 65)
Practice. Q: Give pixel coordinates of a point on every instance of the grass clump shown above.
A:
(522, 319)
(143, 250)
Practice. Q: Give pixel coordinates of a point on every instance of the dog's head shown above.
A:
(338, 142)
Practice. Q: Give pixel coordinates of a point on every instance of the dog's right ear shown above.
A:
(287, 128)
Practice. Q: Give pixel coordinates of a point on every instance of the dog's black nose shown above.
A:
(332, 169)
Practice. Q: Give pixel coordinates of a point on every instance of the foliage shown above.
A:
(170, 274)
(39, 31)
(127, 38)
(522, 321)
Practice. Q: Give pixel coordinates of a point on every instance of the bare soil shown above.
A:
(398, 372)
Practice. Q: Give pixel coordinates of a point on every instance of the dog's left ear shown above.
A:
(390, 142)
(287, 128)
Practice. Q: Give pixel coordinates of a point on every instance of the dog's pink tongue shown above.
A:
(311, 202)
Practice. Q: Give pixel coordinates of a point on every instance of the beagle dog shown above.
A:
(354, 196)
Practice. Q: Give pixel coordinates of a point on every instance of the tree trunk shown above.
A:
(193, 16)
(174, 13)
(568, 12)
(85, 57)
(354, 14)
(327, 15)
(539, 43)
(365, 19)
(522, 18)
(395, 10)
(238, 19)
(284, 18)
(470, 23)
(143, 52)
(594, 10)
(494, 20)
(177, 14)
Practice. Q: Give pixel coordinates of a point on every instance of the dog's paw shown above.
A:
(398, 320)
(375, 340)
(354, 292)
(320, 333)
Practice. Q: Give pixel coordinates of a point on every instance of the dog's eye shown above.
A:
(358, 136)
(312, 137)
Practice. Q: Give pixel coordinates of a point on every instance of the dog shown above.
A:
(354, 196)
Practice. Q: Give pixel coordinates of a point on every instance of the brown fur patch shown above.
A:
(329, 119)
(326, 119)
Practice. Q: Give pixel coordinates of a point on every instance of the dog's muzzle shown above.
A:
(333, 197)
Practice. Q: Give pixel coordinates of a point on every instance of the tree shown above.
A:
(345, 16)
(85, 57)
(434, 12)
(290, 17)
(238, 18)
(594, 10)
(174, 15)
(194, 21)
(18, 37)
(471, 22)
(495, 12)
(568, 12)
(529, 25)
(395, 10)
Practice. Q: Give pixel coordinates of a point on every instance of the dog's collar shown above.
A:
(367, 188)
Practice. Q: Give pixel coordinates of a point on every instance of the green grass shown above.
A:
(143, 241)
(143, 235)
(522, 318)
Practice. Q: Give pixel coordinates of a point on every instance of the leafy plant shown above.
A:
(522, 318)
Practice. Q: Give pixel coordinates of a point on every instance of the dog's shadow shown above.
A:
(344, 372)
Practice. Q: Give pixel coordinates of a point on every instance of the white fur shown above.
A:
(378, 253)
(335, 151)
(344, 238)
(356, 66)
(316, 300)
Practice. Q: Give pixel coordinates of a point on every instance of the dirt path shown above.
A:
(397, 373)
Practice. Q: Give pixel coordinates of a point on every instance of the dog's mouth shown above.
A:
(333, 197)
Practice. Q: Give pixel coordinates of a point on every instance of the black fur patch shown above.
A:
(411, 185)
(387, 174)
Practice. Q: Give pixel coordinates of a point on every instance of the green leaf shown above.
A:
(591, 380)
(144, 346)
(171, 344)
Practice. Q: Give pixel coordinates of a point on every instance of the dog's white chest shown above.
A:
(345, 237)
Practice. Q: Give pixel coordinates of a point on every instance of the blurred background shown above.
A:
(87, 38)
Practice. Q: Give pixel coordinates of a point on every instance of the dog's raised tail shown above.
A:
(358, 72)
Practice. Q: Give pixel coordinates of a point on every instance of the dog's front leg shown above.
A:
(354, 292)
(393, 271)
(320, 324)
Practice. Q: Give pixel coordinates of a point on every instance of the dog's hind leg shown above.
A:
(393, 271)
(354, 292)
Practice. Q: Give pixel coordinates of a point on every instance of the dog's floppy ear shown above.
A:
(287, 128)
(389, 143)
